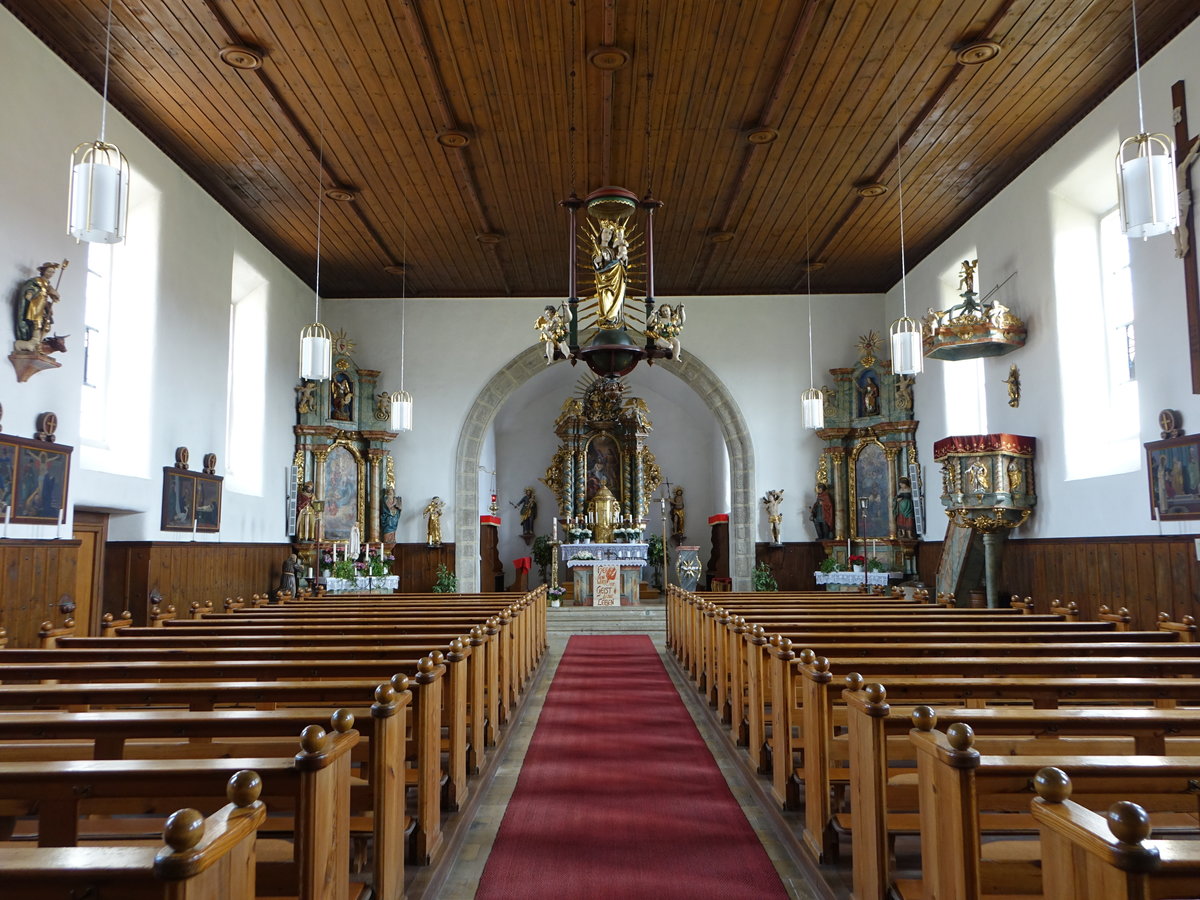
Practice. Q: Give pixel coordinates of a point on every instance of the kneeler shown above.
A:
(521, 580)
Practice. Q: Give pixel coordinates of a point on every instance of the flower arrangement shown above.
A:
(858, 560)
(345, 568)
(584, 554)
(377, 564)
(556, 593)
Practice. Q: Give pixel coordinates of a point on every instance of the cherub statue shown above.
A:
(664, 327)
(306, 400)
(966, 280)
(552, 325)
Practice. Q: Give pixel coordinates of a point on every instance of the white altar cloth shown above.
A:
(880, 578)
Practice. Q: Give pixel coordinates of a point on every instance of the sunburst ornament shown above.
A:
(342, 343)
(868, 346)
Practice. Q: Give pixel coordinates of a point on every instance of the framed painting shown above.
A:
(1174, 469)
(604, 465)
(345, 492)
(37, 490)
(869, 488)
(178, 499)
(208, 502)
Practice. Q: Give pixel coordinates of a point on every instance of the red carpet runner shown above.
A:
(619, 797)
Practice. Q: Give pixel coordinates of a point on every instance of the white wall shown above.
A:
(50, 110)
(1015, 232)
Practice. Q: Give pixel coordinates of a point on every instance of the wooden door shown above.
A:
(90, 529)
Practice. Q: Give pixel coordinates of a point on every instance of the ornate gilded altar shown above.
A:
(602, 445)
(988, 488)
(342, 465)
(870, 462)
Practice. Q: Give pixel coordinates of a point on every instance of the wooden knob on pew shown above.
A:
(785, 644)
(108, 617)
(1123, 612)
(1163, 617)
(807, 656)
(1014, 599)
(1104, 610)
(243, 788)
(774, 641)
(876, 694)
(184, 829)
(45, 628)
(820, 664)
(313, 739)
(438, 657)
(458, 645)
(385, 694)
(425, 668)
(1187, 620)
(1052, 784)
(1072, 606)
(854, 681)
(342, 720)
(758, 631)
(924, 718)
(400, 682)
(960, 735)
(1128, 822)
(126, 614)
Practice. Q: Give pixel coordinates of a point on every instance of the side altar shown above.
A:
(606, 574)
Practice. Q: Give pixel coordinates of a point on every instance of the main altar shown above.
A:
(606, 574)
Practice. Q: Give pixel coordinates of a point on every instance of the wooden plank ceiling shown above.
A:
(376, 82)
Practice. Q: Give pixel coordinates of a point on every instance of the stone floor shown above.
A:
(466, 868)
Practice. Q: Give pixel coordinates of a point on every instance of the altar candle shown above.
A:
(62, 521)
(555, 537)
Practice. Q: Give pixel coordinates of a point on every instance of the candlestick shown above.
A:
(7, 512)
(555, 530)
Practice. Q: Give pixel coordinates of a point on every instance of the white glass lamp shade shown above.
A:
(99, 196)
(402, 410)
(812, 402)
(907, 355)
(316, 352)
(1146, 186)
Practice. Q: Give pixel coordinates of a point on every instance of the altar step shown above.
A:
(607, 620)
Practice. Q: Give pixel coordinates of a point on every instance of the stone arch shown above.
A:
(526, 364)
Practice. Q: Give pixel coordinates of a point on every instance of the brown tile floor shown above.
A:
(467, 867)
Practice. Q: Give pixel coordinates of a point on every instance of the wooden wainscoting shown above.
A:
(417, 564)
(792, 564)
(34, 577)
(186, 572)
(1146, 574)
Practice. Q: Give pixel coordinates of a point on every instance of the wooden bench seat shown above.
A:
(204, 858)
(316, 781)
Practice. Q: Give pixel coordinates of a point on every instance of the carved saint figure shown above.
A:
(528, 509)
(288, 573)
(1014, 385)
(904, 392)
(966, 280)
(389, 515)
(306, 400)
(552, 326)
(610, 260)
(870, 397)
(341, 392)
(1016, 477)
(772, 503)
(433, 522)
(306, 515)
(678, 515)
(665, 326)
(978, 479)
(905, 525)
(35, 307)
(822, 513)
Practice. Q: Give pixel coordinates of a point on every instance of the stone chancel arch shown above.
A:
(524, 366)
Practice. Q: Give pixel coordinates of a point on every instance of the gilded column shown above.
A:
(374, 486)
(841, 491)
(892, 452)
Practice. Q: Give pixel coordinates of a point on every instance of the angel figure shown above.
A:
(306, 400)
(664, 326)
(552, 325)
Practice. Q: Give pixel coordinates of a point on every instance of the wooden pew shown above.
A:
(207, 696)
(316, 782)
(954, 776)
(204, 858)
(1086, 856)
(878, 734)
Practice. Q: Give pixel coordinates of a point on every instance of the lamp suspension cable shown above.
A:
(1146, 180)
(401, 418)
(98, 198)
(907, 353)
(812, 402)
(316, 341)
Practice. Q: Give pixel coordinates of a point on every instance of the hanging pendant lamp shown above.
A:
(401, 418)
(812, 401)
(1146, 188)
(907, 355)
(98, 200)
(316, 341)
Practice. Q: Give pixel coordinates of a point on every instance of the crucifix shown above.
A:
(1185, 237)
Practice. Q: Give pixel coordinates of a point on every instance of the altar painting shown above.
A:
(603, 464)
(872, 520)
(1174, 466)
(41, 485)
(341, 493)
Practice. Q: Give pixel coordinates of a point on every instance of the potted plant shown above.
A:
(447, 581)
(874, 564)
(542, 553)
(654, 556)
(556, 594)
(764, 579)
(857, 562)
(830, 564)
